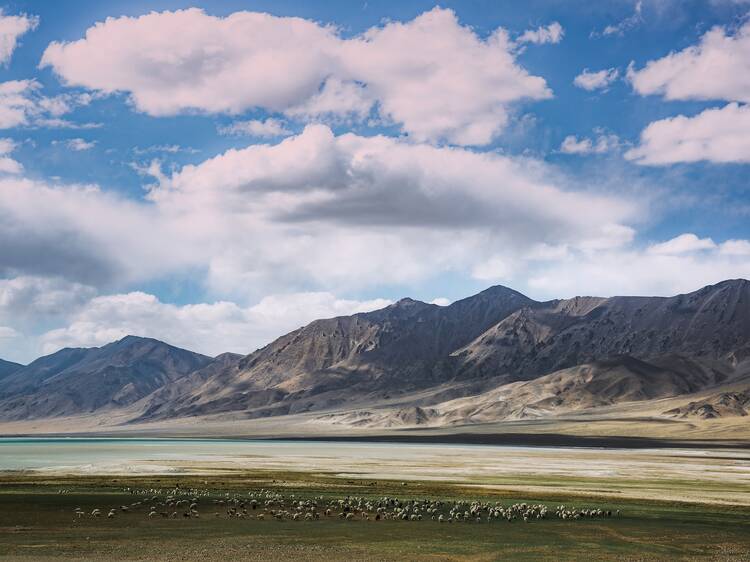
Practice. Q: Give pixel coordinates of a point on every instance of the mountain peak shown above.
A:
(131, 339)
(737, 287)
(501, 290)
(739, 282)
(82, 380)
(407, 302)
(497, 294)
(140, 342)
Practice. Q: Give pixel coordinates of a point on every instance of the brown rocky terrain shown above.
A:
(720, 405)
(497, 355)
(85, 380)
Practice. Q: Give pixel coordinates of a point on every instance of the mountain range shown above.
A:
(494, 356)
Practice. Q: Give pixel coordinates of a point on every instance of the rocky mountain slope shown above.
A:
(719, 405)
(495, 355)
(496, 337)
(595, 385)
(74, 381)
(370, 356)
(591, 385)
(8, 367)
(712, 323)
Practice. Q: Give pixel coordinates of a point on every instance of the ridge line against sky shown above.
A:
(218, 174)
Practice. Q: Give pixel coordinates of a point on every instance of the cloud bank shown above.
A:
(432, 76)
(207, 328)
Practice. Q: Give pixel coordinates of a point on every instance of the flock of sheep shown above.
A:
(269, 504)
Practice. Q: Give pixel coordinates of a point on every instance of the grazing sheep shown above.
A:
(170, 502)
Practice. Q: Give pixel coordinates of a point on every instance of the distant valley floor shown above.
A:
(633, 426)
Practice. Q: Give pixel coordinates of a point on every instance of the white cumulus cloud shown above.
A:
(436, 78)
(7, 332)
(552, 33)
(624, 25)
(719, 135)
(735, 248)
(494, 269)
(11, 28)
(77, 144)
(82, 234)
(256, 128)
(269, 216)
(682, 244)
(603, 143)
(7, 164)
(23, 104)
(675, 266)
(717, 68)
(209, 328)
(336, 101)
(600, 80)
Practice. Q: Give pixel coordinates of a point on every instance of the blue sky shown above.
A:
(216, 174)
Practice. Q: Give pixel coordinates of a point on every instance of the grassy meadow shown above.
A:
(38, 522)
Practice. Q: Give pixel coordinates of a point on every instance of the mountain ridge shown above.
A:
(8, 368)
(504, 355)
(88, 379)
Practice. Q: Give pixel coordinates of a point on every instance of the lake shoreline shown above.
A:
(706, 475)
(545, 440)
(531, 440)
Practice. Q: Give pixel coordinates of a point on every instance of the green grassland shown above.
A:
(38, 522)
